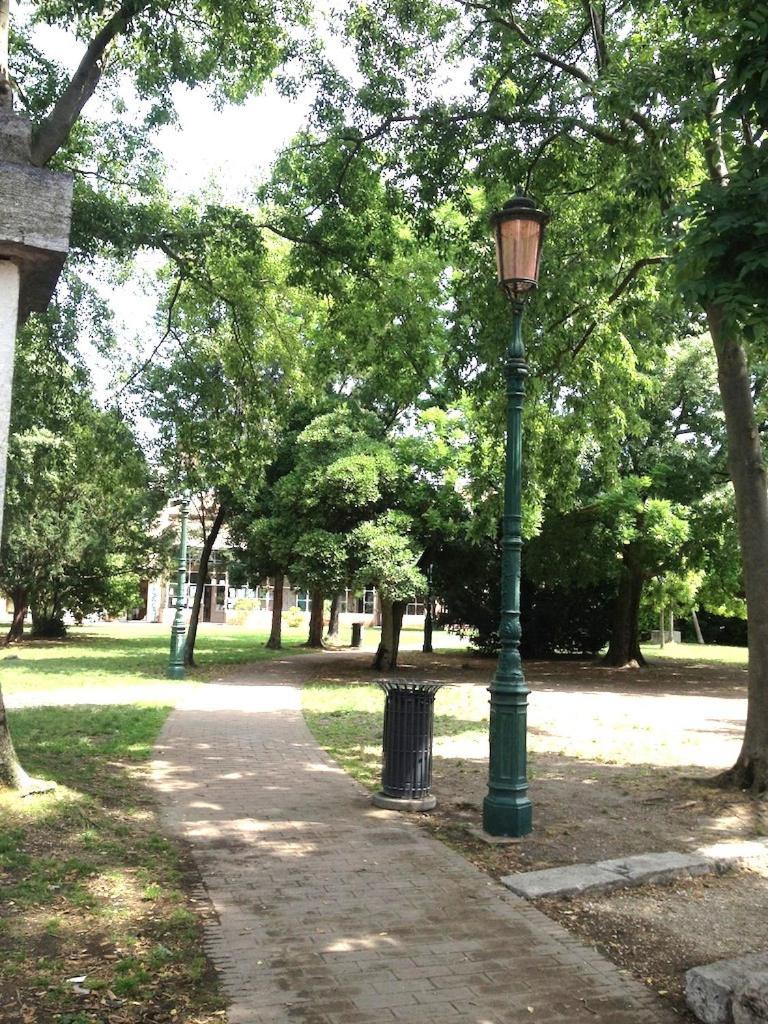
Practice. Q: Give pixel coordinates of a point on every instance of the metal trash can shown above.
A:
(357, 634)
(406, 776)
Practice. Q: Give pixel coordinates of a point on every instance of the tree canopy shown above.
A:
(81, 501)
(328, 357)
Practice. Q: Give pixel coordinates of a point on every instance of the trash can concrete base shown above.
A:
(394, 803)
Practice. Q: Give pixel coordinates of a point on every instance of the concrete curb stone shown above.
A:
(607, 875)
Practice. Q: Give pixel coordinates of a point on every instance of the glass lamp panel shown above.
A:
(519, 251)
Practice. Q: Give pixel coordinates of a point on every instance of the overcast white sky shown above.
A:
(230, 147)
(229, 150)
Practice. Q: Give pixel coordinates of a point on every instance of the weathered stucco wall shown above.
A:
(35, 214)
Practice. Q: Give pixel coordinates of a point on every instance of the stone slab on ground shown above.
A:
(655, 868)
(570, 880)
(716, 992)
(606, 875)
(329, 911)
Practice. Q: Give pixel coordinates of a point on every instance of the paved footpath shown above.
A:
(332, 912)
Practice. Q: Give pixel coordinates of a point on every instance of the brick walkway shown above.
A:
(331, 912)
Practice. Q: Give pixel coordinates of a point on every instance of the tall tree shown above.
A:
(80, 500)
(677, 444)
(210, 530)
(232, 46)
(220, 399)
(344, 474)
(333, 511)
(386, 551)
(663, 103)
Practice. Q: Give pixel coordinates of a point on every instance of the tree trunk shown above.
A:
(6, 91)
(20, 609)
(275, 641)
(12, 775)
(386, 641)
(624, 646)
(333, 620)
(202, 575)
(54, 130)
(661, 629)
(398, 611)
(141, 609)
(11, 772)
(389, 644)
(747, 471)
(315, 638)
(697, 627)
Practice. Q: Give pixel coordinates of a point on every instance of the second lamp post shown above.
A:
(507, 811)
(176, 660)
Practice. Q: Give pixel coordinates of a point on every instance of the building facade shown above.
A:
(225, 602)
(252, 606)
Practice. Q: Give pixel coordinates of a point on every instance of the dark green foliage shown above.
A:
(80, 499)
(725, 260)
(716, 629)
(45, 627)
(338, 514)
(555, 619)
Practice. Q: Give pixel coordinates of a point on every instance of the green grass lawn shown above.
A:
(711, 653)
(90, 885)
(125, 654)
(347, 719)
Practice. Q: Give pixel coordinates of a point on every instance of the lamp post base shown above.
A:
(176, 669)
(507, 816)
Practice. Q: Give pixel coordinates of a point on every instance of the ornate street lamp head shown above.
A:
(518, 231)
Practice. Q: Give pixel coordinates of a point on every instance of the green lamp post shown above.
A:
(176, 661)
(507, 810)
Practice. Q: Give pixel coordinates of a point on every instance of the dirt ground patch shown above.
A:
(658, 932)
(621, 763)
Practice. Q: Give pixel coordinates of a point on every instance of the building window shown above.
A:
(172, 595)
(303, 600)
(357, 603)
(217, 568)
(416, 607)
(265, 596)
